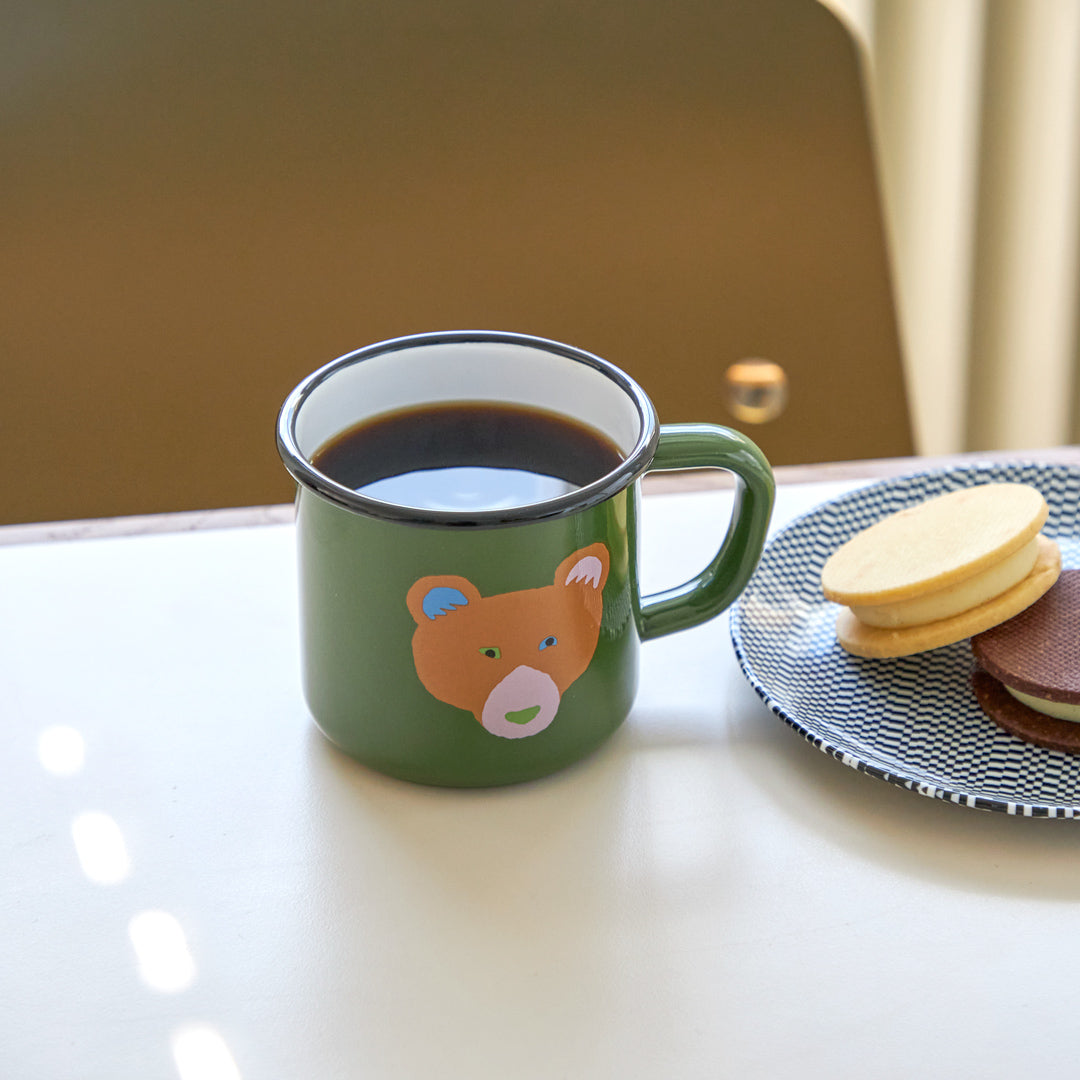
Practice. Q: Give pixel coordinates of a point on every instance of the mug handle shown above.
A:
(709, 446)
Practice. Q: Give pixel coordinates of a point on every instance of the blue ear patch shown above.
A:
(443, 599)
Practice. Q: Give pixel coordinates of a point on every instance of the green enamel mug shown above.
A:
(465, 644)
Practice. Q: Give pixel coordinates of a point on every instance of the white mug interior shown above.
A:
(446, 371)
(467, 366)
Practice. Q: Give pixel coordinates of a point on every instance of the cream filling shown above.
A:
(963, 596)
(1060, 710)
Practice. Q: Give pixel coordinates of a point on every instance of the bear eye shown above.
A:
(491, 651)
(547, 643)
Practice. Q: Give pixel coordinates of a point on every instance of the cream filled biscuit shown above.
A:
(941, 571)
(1029, 677)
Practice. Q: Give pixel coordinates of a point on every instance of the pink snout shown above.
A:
(522, 703)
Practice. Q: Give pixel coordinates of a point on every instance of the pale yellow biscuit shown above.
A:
(934, 545)
(880, 643)
(953, 599)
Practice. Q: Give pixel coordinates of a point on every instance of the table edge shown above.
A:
(655, 483)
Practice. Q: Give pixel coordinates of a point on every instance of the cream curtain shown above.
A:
(977, 109)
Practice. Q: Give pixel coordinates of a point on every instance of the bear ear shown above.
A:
(587, 566)
(440, 594)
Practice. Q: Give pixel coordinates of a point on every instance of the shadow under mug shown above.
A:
(477, 648)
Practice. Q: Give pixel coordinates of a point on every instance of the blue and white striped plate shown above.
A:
(912, 721)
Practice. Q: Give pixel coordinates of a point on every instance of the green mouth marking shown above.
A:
(522, 716)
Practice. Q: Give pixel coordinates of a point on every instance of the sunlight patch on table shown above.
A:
(161, 949)
(101, 849)
(61, 750)
(201, 1053)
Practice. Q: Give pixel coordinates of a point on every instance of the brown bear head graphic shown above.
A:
(509, 658)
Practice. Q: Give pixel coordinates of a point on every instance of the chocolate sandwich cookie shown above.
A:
(1029, 677)
(942, 570)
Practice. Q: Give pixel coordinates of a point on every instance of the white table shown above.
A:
(195, 885)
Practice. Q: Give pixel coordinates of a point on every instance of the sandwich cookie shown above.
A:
(1029, 682)
(941, 571)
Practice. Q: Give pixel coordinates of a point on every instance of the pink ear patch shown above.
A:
(589, 570)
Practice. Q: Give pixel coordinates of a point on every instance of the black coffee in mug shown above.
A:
(462, 456)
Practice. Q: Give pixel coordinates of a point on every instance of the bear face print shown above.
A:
(509, 658)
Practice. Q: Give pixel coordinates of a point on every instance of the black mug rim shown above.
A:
(633, 465)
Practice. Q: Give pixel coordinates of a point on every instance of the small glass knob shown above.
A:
(755, 391)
